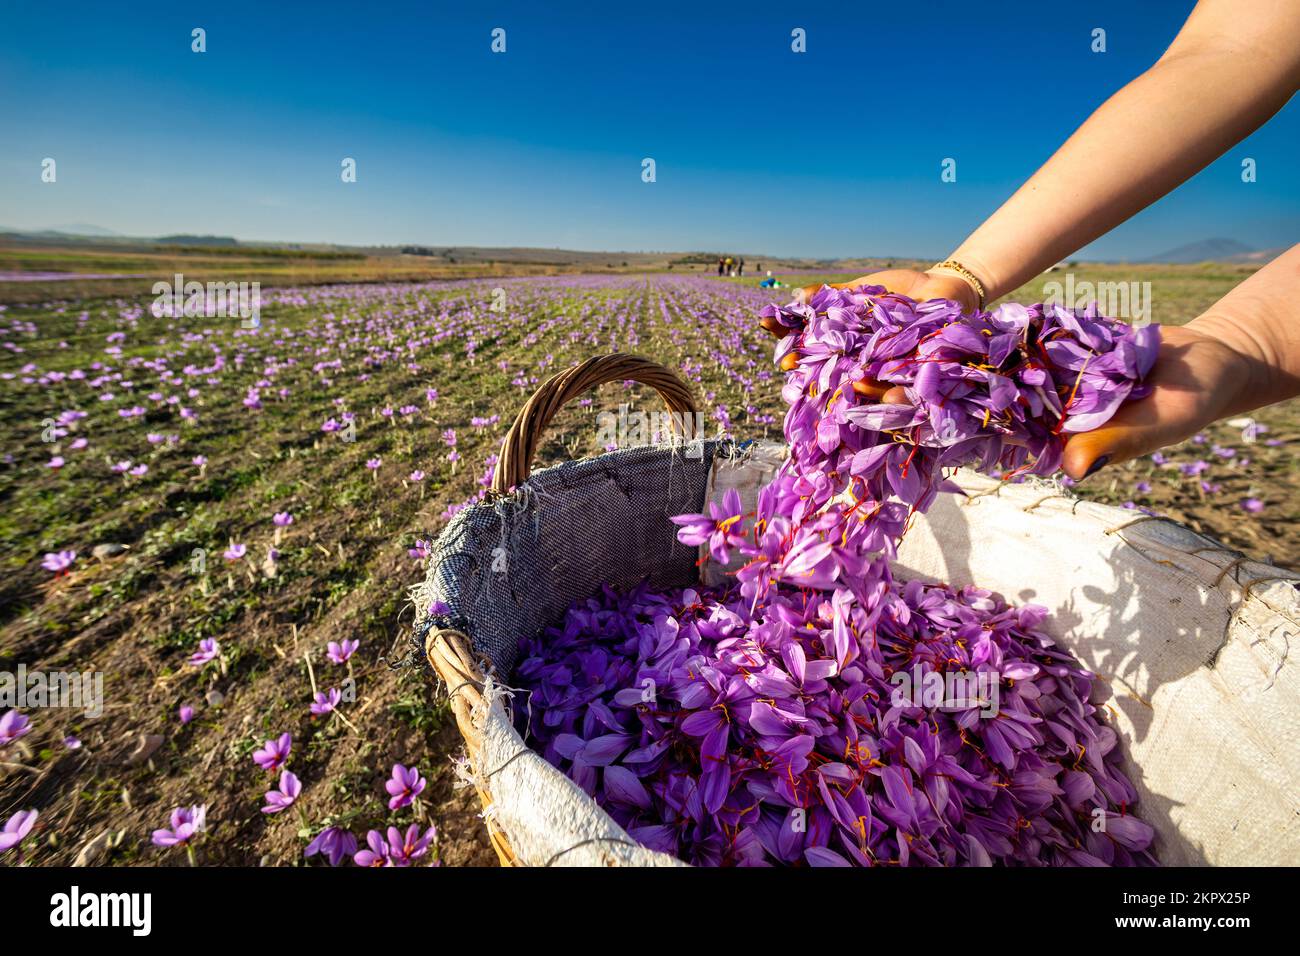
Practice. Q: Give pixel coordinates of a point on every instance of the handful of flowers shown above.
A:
(817, 711)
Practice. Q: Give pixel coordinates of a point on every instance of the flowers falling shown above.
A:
(817, 711)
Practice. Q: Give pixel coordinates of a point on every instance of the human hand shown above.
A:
(909, 282)
(1197, 379)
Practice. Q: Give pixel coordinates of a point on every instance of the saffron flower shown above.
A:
(282, 519)
(334, 843)
(284, 797)
(59, 561)
(405, 785)
(339, 653)
(235, 552)
(273, 754)
(12, 726)
(208, 650)
(186, 824)
(400, 849)
(185, 713)
(16, 829)
(721, 529)
(326, 701)
(376, 852)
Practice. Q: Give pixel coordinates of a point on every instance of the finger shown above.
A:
(871, 389)
(804, 293)
(874, 390)
(772, 325)
(1137, 430)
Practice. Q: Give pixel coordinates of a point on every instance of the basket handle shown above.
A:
(520, 443)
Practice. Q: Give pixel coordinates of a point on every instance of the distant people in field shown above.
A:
(740, 267)
(720, 265)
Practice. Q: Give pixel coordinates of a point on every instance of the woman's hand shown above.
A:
(1197, 379)
(909, 282)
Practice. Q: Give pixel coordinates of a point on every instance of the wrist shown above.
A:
(959, 283)
(1250, 375)
(973, 272)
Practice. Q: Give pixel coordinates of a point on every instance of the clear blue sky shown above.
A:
(833, 152)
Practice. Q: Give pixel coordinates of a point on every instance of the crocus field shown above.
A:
(225, 521)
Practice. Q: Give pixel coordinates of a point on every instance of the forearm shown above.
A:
(1260, 321)
(1202, 97)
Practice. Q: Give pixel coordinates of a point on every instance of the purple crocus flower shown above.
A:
(208, 650)
(376, 852)
(273, 754)
(721, 529)
(16, 829)
(284, 797)
(405, 849)
(186, 824)
(405, 785)
(235, 552)
(59, 561)
(339, 653)
(335, 843)
(326, 701)
(282, 519)
(12, 726)
(400, 849)
(185, 713)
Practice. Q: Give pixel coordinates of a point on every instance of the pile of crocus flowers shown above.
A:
(815, 711)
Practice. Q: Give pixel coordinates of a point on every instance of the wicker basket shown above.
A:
(1193, 639)
(450, 651)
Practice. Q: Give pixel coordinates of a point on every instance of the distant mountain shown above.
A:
(1207, 250)
(183, 240)
(82, 229)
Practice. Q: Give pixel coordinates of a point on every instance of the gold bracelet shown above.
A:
(952, 265)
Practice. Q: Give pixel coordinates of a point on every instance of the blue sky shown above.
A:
(834, 152)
